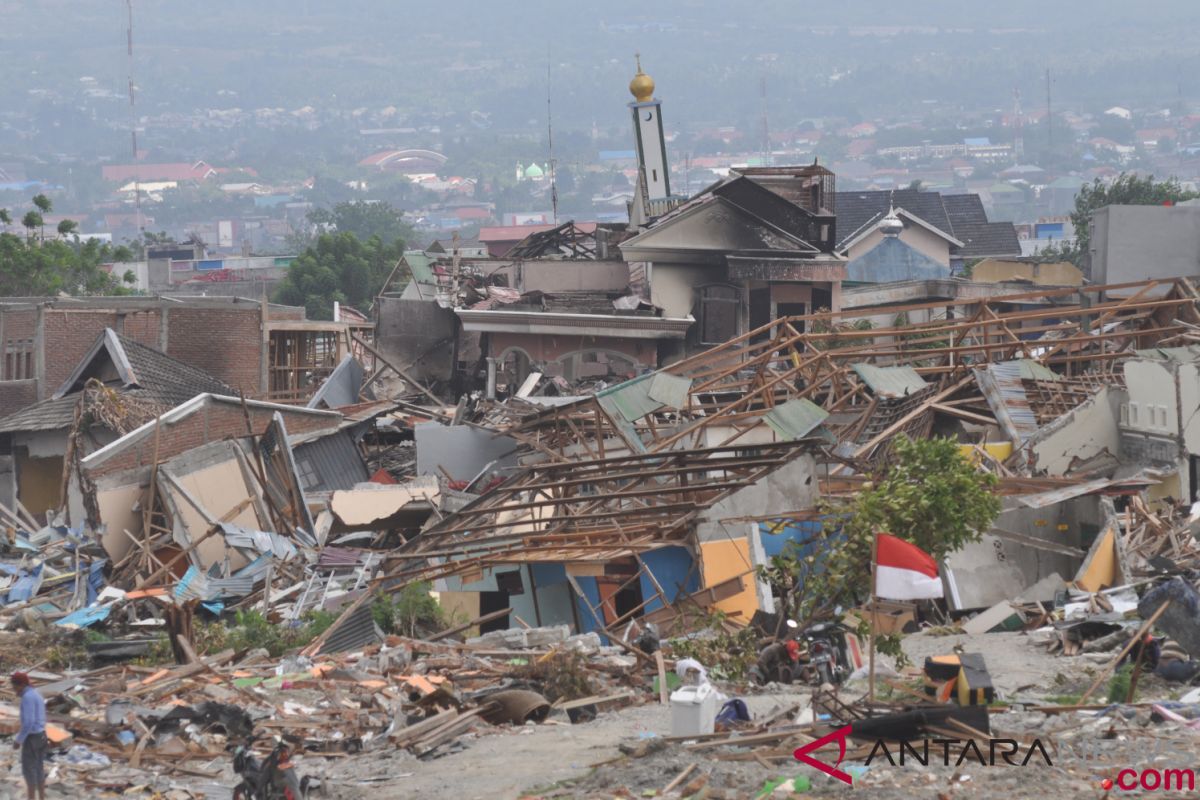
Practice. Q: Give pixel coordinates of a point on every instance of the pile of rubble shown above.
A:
(575, 532)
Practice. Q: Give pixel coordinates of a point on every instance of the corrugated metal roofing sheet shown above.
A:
(795, 418)
(1036, 371)
(329, 463)
(891, 382)
(1055, 496)
(1001, 385)
(670, 390)
(631, 399)
(357, 630)
(260, 541)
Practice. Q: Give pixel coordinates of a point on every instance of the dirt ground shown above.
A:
(558, 759)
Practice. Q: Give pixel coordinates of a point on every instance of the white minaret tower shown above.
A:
(648, 131)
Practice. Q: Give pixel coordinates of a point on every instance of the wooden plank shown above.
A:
(664, 695)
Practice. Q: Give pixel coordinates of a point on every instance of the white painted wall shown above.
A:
(1085, 432)
(1152, 406)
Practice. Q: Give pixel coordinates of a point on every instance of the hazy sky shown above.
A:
(858, 58)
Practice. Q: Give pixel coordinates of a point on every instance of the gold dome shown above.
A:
(642, 85)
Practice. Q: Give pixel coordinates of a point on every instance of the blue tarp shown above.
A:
(86, 617)
(95, 579)
(25, 587)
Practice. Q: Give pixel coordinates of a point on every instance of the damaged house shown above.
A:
(264, 350)
(116, 387)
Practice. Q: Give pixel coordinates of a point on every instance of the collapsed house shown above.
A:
(601, 482)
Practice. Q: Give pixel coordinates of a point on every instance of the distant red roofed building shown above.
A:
(407, 162)
(860, 148)
(499, 239)
(1154, 137)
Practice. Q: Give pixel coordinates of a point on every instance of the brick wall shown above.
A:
(144, 327)
(227, 344)
(212, 423)
(286, 312)
(68, 337)
(15, 395)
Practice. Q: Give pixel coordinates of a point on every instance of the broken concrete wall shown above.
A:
(1189, 406)
(792, 487)
(567, 276)
(418, 332)
(1000, 566)
(1153, 405)
(1088, 431)
(726, 550)
(462, 451)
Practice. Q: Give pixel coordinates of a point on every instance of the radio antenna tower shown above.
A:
(550, 143)
(137, 189)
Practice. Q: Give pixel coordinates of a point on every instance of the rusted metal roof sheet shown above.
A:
(1005, 393)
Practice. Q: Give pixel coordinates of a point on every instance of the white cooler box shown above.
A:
(693, 710)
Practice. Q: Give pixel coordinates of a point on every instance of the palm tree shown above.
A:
(5, 217)
(43, 205)
(32, 220)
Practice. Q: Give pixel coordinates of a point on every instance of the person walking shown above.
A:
(31, 739)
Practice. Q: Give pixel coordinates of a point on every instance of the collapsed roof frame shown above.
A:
(595, 510)
(736, 384)
(567, 241)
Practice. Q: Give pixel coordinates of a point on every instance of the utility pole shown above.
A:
(550, 143)
(1018, 134)
(766, 130)
(137, 189)
(1049, 116)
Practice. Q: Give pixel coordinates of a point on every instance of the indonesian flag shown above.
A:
(904, 571)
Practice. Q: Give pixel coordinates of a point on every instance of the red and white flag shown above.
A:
(904, 571)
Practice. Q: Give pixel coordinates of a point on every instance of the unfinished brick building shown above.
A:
(267, 351)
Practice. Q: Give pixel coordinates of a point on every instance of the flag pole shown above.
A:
(874, 619)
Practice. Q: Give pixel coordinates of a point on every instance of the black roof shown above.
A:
(960, 215)
(987, 239)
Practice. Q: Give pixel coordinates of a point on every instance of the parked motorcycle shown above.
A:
(828, 653)
(819, 654)
(272, 778)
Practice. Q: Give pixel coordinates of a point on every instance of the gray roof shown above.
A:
(127, 366)
(960, 215)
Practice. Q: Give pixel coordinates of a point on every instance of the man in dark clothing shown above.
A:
(31, 739)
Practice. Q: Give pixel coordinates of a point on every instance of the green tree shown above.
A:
(5, 217)
(67, 227)
(929, 495)
(363, 219)
(43, 205)
(338, 267)
(48, 268)
(1126, 190)
(31, 220)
